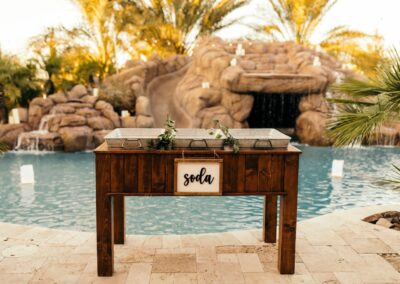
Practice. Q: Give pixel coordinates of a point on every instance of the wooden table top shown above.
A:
(104, 149)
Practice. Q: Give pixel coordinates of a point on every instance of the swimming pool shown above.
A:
(64, 193)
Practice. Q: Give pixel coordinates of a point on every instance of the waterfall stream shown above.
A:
(30, 140)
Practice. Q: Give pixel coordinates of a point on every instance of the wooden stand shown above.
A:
(270, 173)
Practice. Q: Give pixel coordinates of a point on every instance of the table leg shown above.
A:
(288, 217)
(104, 222)
(119, 220)
(270, 219)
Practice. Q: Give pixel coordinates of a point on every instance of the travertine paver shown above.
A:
(335, 248)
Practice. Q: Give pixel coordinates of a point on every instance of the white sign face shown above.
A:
(198, 176)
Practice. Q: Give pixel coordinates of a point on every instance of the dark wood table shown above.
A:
(268, 173)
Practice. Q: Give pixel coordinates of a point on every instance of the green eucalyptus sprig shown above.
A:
(229, 140)
(167, 138)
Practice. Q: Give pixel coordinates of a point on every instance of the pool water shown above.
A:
(64, 193)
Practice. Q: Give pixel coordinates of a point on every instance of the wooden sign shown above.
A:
(198, 176)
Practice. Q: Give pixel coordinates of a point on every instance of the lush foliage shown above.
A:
(298, 20)
(72, 56)
(229, 140)
(394, 178)
(119, 96)
(167, 138)
(18, 82)
(367, 105)
(3, 148)
(170, 27)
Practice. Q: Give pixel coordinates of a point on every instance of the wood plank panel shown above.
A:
(288, 217)
(170, 173)
(230, 164)
(117, 173)
(131, 173)
(264, 173)
(119, 219)
(251, 169)
(104, 226)
(159, 167)
(277, 172)
(144, 173)
(241, 173)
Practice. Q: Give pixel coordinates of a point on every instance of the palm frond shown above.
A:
(348, 101)
(357, 88)
(355, 125)
(394, 179)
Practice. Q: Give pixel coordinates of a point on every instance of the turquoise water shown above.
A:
(64, 193)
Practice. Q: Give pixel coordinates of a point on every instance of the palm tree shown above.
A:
(18, 83)
(367, 105)
(47, 48)
(172, 27)
(298, 20)
(102, 30)
(66, 58)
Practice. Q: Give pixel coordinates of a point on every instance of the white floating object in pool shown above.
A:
(337, 168)
(95, 92)
(27, 175)
(234, 62)
(205, 85)
(15, 115)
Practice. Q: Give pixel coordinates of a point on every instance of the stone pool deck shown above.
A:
(335, 248)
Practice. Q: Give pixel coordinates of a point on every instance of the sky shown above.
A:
(22, 19)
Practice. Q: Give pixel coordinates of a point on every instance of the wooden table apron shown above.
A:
(270, 173)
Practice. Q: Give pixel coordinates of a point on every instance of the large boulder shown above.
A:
(49, 141)
(72, 120)
(314, 102)
(9, 133)
(143, 106)
(90, 99)
(144, 121)
(77, 92)
(63, 108)
(98, 137)
(311, 128)
(108, 111)
(53, 124)
(128, 122)
(88, 112)
(58, 98)
(35, 114)
(100, 123)
(77, 138)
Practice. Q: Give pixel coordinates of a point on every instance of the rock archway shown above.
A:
(224, 80)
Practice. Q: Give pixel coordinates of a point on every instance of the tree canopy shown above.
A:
(298, 20)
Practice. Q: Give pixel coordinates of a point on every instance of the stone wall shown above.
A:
(215, 83)
(75, 121)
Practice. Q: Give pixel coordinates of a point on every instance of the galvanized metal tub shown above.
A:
(194, 138)
(132, 138)
(197, 138)
(260, 138)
